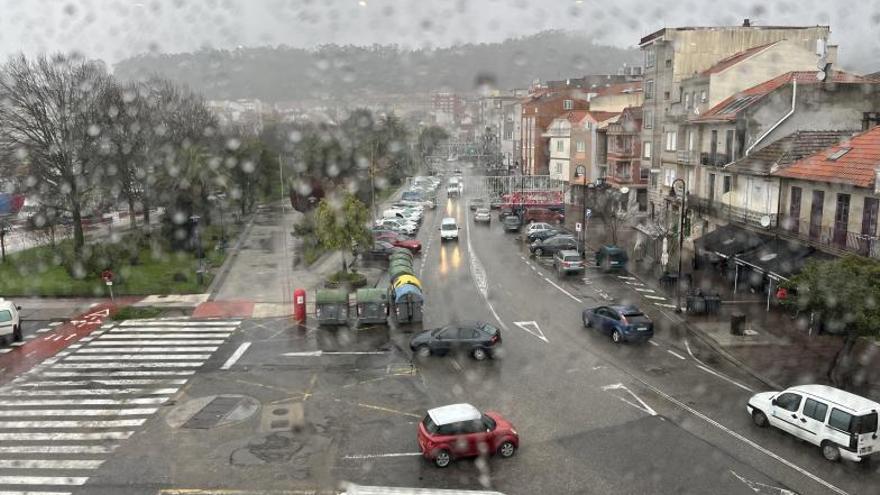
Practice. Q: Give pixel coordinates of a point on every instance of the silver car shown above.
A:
(482, 215)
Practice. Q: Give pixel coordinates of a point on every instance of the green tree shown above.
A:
(341, 224)
(845, 295)
(430, 138)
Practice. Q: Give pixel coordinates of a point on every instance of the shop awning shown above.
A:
(728, 241)
(779, 259)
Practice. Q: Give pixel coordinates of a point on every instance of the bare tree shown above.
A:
(50, 114)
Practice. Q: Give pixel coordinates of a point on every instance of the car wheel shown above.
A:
(830, 451)
(616, 337)
(759, 418)
(539, 252)
(587, 322)
(423, 351)
(480, 354)
(506, 449)
(16, 334)
(442, 459)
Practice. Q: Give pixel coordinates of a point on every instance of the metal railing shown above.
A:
(685, 157)
(735, 214)
(829, 237)
(716, 160)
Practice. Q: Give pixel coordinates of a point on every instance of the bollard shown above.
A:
(299, 305)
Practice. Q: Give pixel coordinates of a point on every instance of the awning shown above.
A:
(779, 259)
(728, 241)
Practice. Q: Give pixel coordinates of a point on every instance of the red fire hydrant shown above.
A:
(299, 305)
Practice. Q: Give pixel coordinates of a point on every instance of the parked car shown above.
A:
(483, 215)
(10, 321)
(398, 225)
(567, 261)
(543, 215)
(477, 338)
(537, 227)
(552, 245)
(611, 258)
(624, 323)
(842, 424)
(544, 235)
(504, 212)
(511, 223)
(449, 229)
(476, 203)
(379, 251)
(397, 240)
(461, 430)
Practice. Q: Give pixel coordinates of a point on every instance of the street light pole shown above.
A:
(581, 171)
(3, 231)
(680, 240)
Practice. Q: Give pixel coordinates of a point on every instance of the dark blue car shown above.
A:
(622, 323)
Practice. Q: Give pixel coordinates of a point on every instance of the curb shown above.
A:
(223, 272)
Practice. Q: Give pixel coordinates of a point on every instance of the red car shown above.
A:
(461, 430)
(414, 245)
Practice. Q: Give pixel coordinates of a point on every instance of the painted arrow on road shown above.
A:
(642, 406)
(532, 328)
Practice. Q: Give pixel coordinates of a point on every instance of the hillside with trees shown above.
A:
(285, 73)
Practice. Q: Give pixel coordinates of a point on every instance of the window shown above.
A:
(648, 121)
(840, 420)
(866, 424)
(650, 57)
(467, 333)
(5, 316)
(647, 150)
(815, 409)
(703, 97)
(668, 63)
(687, 101)
(560, 145)
(837, 154)
(649, 89)
(668, 176)
(789, 402)
(567, 104)
(654, 180)
(725, 184)
(666, 95)
(690, 145)
(671, 138)
(581, 146)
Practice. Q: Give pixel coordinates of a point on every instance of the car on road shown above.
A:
(452, 190)
(568, 261)
(476, 203)
(10, 321)
(624, 323)
(550, 246)
(483, 215)
(477, 338)
(842, 424)
(543, 215)
(511, 223)
(544, 235)
(449, 229)
(461, 430)
(397, 240)
(611, 258)
(536, 227)
(504, 212)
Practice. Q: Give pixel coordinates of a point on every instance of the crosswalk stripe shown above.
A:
(29, 436)
(92, 391)
(135, 401)
(104, 350)
(8, 492)
(50, 463)
(658, 298)
(105, 374)
(122, 365)
(108, 343)
(132, 381)
(5, 350)
(43, 480)
(119, 336)
(164, 330)
(183, 323)
(137, 411)
(113, 423)
(57, 449)
(138, 357)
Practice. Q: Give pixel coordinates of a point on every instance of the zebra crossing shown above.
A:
(63, 419)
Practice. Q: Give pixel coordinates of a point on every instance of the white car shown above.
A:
(537, 227)
(449, 229)
(844, 425)
(10, 321)
(398, 225)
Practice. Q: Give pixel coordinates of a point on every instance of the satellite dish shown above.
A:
(820, 75)
(696, 111)
(624, 190)
(765, 221)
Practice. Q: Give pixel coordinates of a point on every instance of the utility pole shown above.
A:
(281, 177)
(373, 183)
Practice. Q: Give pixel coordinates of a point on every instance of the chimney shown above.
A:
(747, 23)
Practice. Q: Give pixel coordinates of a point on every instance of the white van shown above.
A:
(844, 425)
(448, 229)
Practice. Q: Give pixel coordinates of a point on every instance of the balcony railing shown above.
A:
(829, 237)
(735, 214)
(716, 160)
(685, 157)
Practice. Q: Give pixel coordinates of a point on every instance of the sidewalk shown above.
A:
(777, 349)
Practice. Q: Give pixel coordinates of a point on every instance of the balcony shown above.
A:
(714, 160)
(718, 210)
(829, 238)
(685, 158)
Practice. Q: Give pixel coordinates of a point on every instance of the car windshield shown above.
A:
(865, 424)
(429, 425)
(5, 316)
(449, 226)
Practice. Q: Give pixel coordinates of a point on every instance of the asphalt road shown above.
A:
(316, 406)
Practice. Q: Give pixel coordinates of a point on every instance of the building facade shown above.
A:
(537, 112)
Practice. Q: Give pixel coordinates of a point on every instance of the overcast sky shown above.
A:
(112, 30)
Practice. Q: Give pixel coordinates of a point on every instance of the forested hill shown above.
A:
(284, 73)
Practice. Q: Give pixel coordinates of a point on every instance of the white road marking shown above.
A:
(27, 436)
(14, 413)
(104, 350)
(563, 290)
(332, 353)
(44, 330)
(165, 330)
(236, 356)
(17, 344)
(649, 291)
(57, 449)
(86, 402)
(50, 464)
(761, 487)
(91, 391)
(642, 407)
(29, 337)
(532, 328)
(150, 343)
(656, 298)
(121, 365)
(138, 357)
(725, 378)
(77, 374)
(679, 356)
(183, 323)
(55, 323)
(5, 350)
(109, 382)
(73, 335)
(623, 277)
(653, 343)
(113, 423)
(122, 336)
(662, 305)
(43, 480)
(379, 456)
(478, 273)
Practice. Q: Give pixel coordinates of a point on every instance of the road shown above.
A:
(265, 406)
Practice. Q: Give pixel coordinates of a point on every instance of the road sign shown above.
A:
(107, 276)
(588, 213)
(578, 227)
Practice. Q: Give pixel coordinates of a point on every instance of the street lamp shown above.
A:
(581, 171)
(200, 271)
(3, 231)
(218, 200)
(680, 237)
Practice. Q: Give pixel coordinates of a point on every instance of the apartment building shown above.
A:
(538, 111)
(624, 156)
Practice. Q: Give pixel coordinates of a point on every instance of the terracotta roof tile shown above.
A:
(620, 88)
(736, 58)
(786, 150)
(857, 166)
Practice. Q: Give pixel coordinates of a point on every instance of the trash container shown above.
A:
(713, 304)
(696, 304)
(737, 323)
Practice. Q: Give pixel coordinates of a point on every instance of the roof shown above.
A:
(576, 116)
(730, 240)
(779, 258)
(625, 308)
(620, 88)
(736, 58)
(447, 220)
(856, 167)
(855, 403)
(454, 413)
(786, 150)
(731, 106)
(660, 32)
